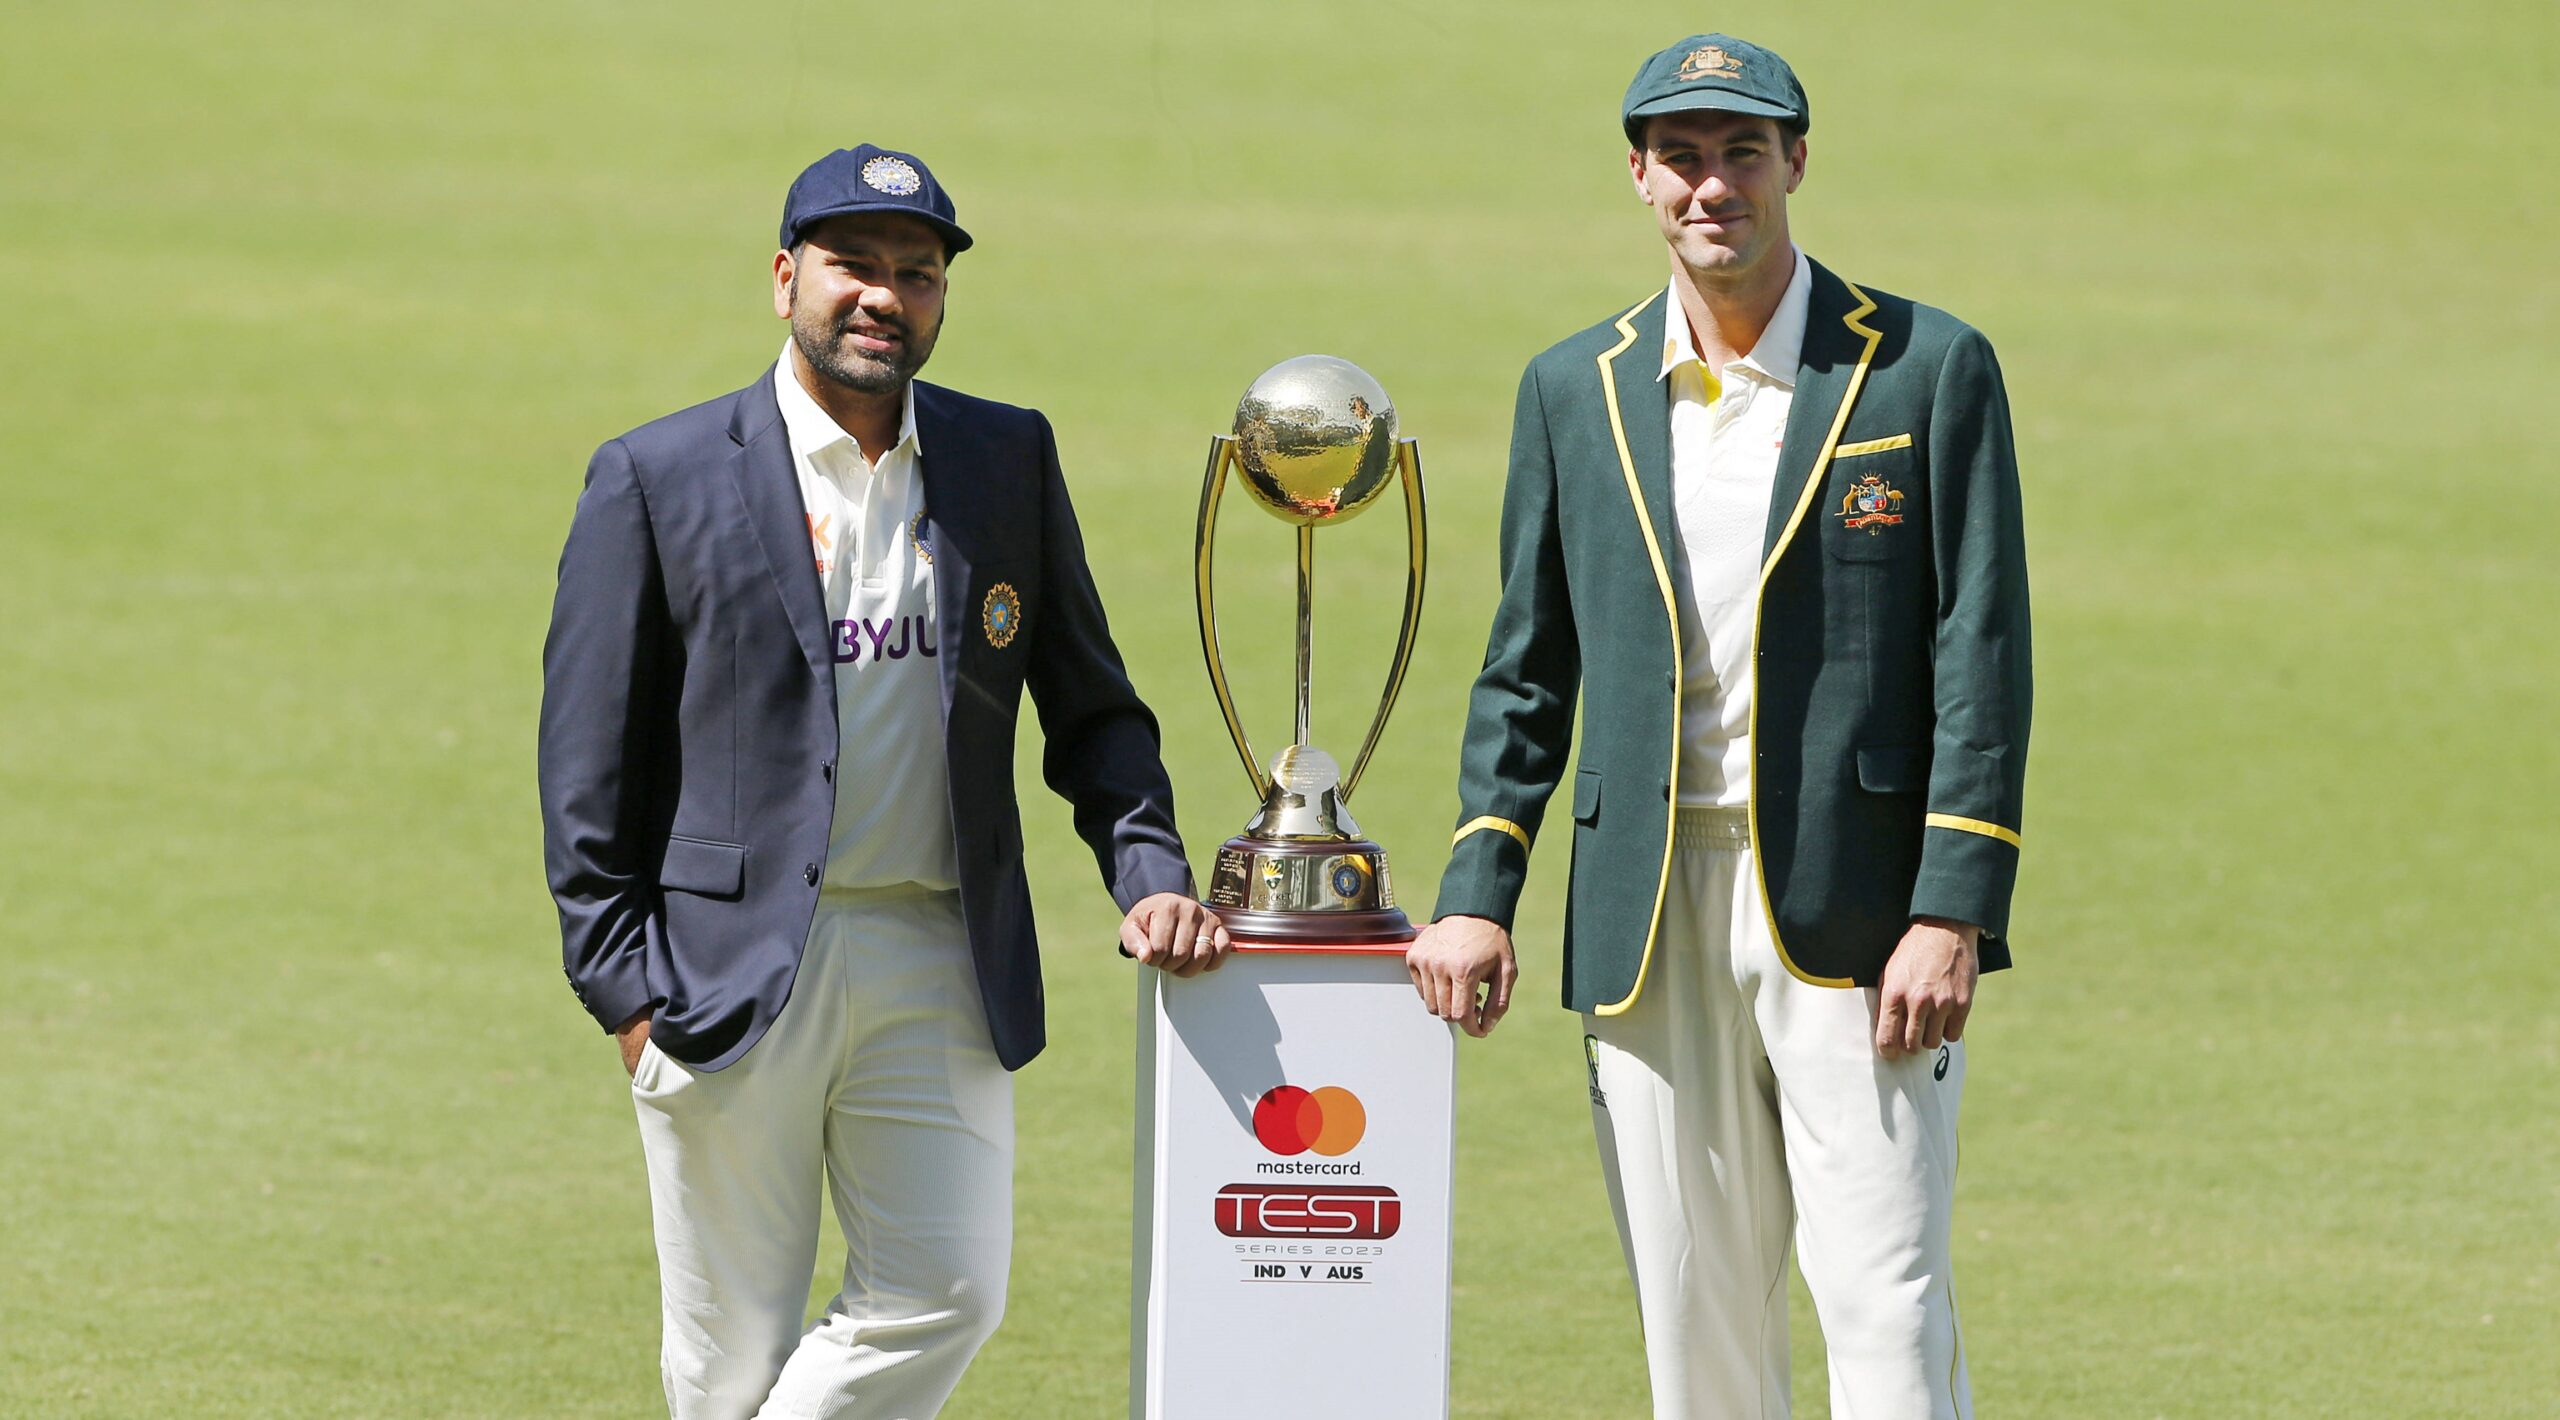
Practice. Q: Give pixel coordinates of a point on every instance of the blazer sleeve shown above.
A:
(1520, 715)
(1102, 752)
(1984, 676)
(604, 702)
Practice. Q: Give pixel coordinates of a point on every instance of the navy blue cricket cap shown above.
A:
(1714, 72)
(870, 179)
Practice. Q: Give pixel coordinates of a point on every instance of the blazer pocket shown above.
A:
(1586, 796)
(1871, 513)
(1871, 446)
(1893, 769)
(699, 865)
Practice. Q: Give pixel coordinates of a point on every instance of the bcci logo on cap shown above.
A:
(894, 176)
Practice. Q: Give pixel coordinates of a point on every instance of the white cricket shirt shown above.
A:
(893, 789)
(1726, 427)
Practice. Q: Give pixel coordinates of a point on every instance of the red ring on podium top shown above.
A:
(1384, 949)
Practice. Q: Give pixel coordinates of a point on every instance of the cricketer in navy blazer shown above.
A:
(689, 730)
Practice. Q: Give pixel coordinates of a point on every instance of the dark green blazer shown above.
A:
(1889, 717)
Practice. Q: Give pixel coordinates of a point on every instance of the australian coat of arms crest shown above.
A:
(1872, 504)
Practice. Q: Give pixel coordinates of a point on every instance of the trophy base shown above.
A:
(1282, 890)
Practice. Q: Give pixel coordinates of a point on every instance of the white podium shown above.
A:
(1296, 1119)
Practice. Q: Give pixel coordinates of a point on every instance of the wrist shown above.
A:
(1966, 933)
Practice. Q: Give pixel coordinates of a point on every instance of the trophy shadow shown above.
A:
(1242, 1058)
(1233, 1032)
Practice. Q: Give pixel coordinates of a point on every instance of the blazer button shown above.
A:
(809, 874)
(827, 771)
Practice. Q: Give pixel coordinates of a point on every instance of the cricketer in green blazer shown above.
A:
(1889, 717)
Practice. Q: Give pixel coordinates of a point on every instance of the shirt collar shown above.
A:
(813, 431)
(1780, 350)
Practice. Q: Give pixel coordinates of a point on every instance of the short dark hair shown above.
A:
(800, 243)
(1790, 131)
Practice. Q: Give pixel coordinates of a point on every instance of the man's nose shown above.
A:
(878, 298)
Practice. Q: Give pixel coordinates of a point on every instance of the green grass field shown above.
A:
(313, 313)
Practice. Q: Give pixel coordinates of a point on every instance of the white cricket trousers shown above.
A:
(877, 1083)
(1736, 1103)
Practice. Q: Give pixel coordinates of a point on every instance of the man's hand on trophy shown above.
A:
(1455, 956)
(1171, 932)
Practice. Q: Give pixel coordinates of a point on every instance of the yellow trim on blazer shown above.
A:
(1975, 825)
(1856, 322)
(1487, 821)
(1872, 446)
(1671, 609)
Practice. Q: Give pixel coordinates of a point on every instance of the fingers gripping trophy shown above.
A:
(1315, 443)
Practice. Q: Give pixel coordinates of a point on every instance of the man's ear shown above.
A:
(785, 272)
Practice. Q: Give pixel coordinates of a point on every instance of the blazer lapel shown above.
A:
(766, 482)
(1837, 347)
(945, 531)
(1640, 414)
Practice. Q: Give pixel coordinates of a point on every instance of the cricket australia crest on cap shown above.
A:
(1001, 616)
(1872, 504)
(1708, 63)
(894, 176)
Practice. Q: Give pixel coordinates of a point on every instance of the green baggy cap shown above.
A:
(1714, 72)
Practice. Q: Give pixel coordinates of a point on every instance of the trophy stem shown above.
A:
(1306, 620)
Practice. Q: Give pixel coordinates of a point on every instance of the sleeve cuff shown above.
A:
(615, 989)
(1488, 867)
(1145, 873)
(1966, 875)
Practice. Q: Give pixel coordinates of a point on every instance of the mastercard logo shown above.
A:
(1329, 1121)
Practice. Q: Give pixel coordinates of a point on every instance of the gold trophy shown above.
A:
(1315, 442)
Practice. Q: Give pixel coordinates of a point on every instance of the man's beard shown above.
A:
(822, 343)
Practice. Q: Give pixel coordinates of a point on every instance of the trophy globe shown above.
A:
(1316, 440)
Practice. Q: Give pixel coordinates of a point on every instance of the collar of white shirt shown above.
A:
(1781, 347)
(813, 431)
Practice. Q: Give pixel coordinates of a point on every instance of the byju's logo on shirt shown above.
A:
(864, 641)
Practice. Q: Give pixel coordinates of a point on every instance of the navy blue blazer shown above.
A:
(689, 739)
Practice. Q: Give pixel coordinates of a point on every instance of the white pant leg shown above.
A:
(919, 1158)
(1686, 1112)
(1871, 1152)
(734, 1170)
